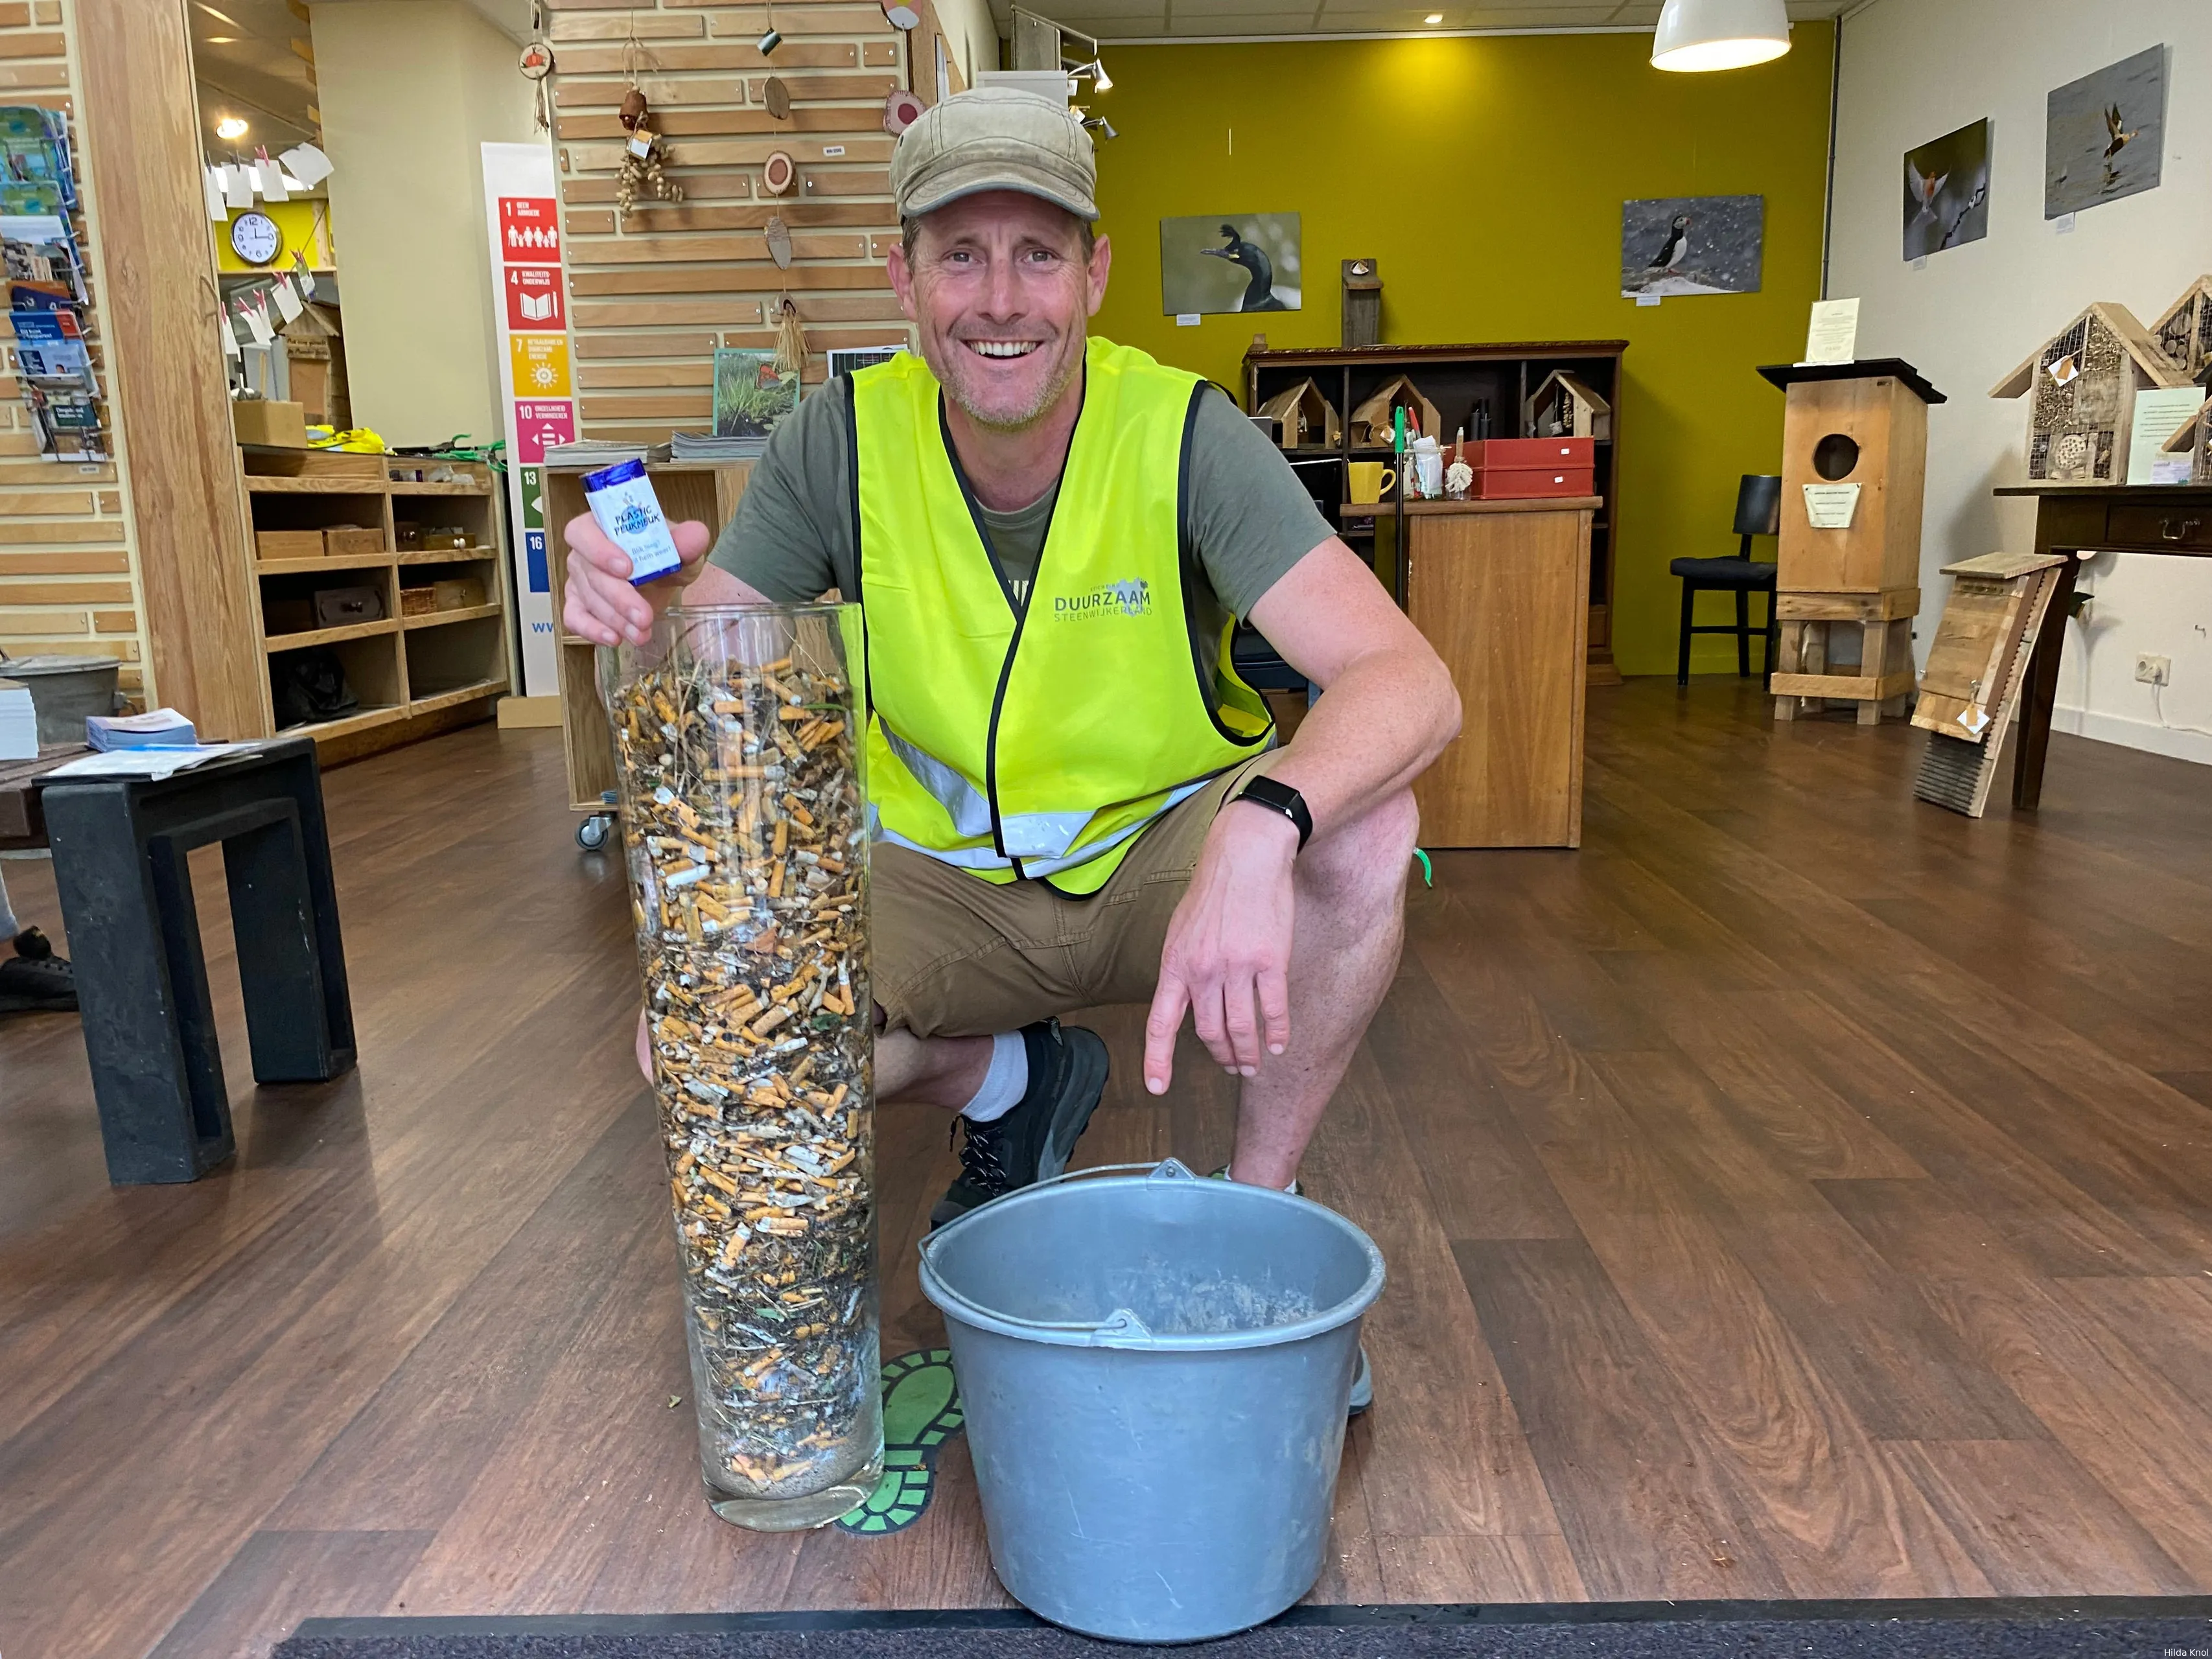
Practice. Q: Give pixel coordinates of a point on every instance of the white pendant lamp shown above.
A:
(1719, 35)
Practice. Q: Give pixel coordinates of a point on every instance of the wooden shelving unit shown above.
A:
(413, 675)
(1459, 380)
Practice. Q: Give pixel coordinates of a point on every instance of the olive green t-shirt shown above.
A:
(792, 537)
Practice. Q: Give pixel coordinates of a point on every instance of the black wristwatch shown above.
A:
(1278, 798)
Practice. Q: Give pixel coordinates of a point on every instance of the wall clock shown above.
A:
(255, 239)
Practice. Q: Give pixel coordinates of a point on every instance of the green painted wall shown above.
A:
(1486, 175)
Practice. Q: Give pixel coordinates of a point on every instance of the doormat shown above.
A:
(2095, 1627)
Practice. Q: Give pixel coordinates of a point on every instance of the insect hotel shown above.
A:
(2183, 329)
(2085, 380)
(1563, 407)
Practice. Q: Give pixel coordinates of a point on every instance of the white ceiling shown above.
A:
(1127, 19)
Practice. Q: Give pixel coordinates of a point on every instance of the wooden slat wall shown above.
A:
(650, 298)
(67, 556)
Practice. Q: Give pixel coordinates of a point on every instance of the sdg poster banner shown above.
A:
(522, 209)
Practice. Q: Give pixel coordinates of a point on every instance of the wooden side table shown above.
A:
(2077, 519)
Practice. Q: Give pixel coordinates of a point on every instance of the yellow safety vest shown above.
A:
(1036, 739)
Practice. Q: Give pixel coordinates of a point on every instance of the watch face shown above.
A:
(255, 239)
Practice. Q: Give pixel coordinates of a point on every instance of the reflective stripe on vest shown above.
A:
(1036, 737)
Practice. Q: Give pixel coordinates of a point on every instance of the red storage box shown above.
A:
(1505, 484)
(1557, 454)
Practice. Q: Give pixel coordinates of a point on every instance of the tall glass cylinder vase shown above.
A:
(738, 735)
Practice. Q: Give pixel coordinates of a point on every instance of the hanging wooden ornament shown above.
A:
(643, 156)
(901, 109)
(777, 173)
(790, 339)
(778, 236)
(777, 97)
(538, 63)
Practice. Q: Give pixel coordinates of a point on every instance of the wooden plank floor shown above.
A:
(1799, 1192)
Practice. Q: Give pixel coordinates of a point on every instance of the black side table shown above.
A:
(119, 847)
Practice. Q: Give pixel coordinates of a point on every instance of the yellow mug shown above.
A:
(1370, 480)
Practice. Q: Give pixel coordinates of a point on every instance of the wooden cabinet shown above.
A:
(1502, 590)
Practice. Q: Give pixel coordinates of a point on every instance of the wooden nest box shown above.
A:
(2084, 382)
(1363, 303)
(1304, 417)
(1563, 407)
(1854, 461)
(2183, 329)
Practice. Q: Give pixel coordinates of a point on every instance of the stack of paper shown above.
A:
(160, 728)
(148, 763)
(19, 722)
(592, 452)
(706, 446)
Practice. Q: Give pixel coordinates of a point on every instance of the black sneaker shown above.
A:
(34, 979)
(1031, 1142)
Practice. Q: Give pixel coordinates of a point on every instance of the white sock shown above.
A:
(1005, 1084)
(1231, 1174)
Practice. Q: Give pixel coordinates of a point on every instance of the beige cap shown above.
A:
(995, 138)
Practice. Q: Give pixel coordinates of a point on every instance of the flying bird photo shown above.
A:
(2103, 135)
(1946, 191)
(1230, 261)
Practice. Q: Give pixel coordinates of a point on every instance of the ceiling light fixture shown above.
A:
(1719, 35)
(231, 127)
(1433, 19)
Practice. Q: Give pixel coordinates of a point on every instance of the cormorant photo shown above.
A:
(1260, 292)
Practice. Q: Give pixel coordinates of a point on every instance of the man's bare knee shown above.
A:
(1366, 856)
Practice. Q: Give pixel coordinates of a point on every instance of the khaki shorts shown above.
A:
(957, 956)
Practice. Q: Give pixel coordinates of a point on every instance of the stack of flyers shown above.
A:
(69, 424)
(43, 269)
(50, 350)
(34, 151)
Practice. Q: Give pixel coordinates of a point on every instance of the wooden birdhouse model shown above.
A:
(1563, 407)
(1374, 421)
(2184, 330)
(1304, 416)
(2081, 388)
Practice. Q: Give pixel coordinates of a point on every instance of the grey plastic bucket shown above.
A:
(64, 689)
(1155, 1371)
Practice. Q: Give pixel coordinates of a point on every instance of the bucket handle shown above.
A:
(1121, 1327)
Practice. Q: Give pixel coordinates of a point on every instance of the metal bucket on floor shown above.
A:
(1155, 1371)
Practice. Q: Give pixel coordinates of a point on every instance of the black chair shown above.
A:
(1757, 513)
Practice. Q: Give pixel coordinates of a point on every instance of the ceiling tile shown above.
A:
(1181, 11)
(1074, 15)
(1297, 22)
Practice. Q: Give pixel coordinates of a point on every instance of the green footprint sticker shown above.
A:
(921, 1412)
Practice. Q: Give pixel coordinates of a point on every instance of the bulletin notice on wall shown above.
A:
(523, 212)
